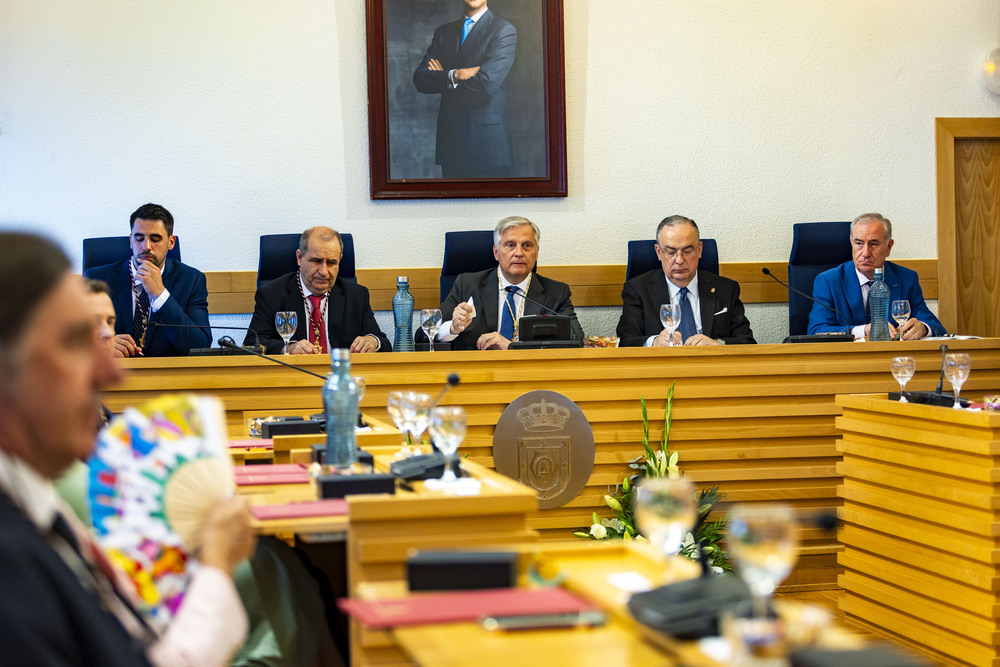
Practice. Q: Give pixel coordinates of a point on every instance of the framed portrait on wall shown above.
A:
(466, 108)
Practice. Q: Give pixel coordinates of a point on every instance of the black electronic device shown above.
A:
(291, 426)
(689, 609)
(425, 466)
(549, 332)
(461, 570)
(338, 486)
(820, 338)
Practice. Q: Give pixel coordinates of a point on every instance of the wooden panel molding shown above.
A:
(592, 284)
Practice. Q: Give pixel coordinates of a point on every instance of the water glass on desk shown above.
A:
(286, 321)
(956, 368)
(670, 318)
(430, 322)
(902, 369)
(900, 312)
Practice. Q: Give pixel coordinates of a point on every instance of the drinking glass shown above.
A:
(394, 406)
(902, 369)
(956, 369)
(286, 321)
(665, 510)
(448, 429)
(900, 312)
(430, 322)
(763, 538)
(416, 412)
(360, 382)
(670, 317)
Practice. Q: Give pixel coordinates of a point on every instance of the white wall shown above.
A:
(249, 117)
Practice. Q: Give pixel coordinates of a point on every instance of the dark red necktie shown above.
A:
(316, 333)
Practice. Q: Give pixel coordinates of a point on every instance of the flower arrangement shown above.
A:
(661, 462)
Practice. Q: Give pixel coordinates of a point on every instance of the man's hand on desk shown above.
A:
(492, 341)
(914, 329)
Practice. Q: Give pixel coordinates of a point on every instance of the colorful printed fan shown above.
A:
(156, 472)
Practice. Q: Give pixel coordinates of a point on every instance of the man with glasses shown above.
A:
(149, 289)
(711, 310)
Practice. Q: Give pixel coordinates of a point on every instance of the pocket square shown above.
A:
(724, 310)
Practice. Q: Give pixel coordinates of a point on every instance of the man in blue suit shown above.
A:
(467, 64)
(845, 287)
(148, 289)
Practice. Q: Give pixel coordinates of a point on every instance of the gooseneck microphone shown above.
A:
(229, 344)
(944, 354)
(453, 379)
(815, 337)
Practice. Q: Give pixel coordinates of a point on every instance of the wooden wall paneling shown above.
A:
(592, 285)
(968, 213)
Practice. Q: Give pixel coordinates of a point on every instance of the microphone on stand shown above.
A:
(453, 380)
(205, 351)
(228, 343)
(813, 338)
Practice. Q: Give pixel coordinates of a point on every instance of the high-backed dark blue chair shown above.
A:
(642, 258)
(103, 250)
(277, 257)
(465, 252)
(816, 247)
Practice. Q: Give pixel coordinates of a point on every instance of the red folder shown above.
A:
(282, 473)
(462, 606)
(252, 443)
(301, 510)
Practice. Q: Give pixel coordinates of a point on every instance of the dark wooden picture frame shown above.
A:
(402, 122)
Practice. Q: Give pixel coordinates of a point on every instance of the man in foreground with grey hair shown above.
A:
(481, 313)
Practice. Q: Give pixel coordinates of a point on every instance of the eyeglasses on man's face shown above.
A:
(671, 253)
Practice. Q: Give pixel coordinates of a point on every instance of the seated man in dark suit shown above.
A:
(480, 313)
(712, 313)
(149, 289)
(63, 603)
(331, 313)
(845, 287)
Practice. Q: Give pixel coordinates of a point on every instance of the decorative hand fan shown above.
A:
(156, 472)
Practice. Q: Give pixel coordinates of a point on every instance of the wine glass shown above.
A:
(670, 317)
(286, 321)
(416, 411)
(394, 406)
(902, 369)
(763, 538)
(900, 312)
(665, 510)
(956, 369)
(430, 322)
(448, 429)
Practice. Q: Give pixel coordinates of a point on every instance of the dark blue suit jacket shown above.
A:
(188, 304)
(46, 615)
(840, 288)
(349, 314)
(473, 127)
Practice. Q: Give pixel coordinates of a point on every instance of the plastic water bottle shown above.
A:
(402, 309)
(878, 306)
(340, 404)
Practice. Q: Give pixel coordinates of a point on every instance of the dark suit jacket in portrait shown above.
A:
(722, 313)
(473, 130)
(188, 304)
(46, 615)
(349, 314)
(840, 288)
(484, 288)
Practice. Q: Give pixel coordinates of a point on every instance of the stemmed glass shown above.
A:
(956, 369)
(665, 510)
(900, 312)
(902, 369)
(394, 406)
(416, 412)
(763, 538)
(670, 318)
(448, 429)
(286, 321)
(430, 322)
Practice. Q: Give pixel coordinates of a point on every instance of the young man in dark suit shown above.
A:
(467, 65)
(150, 289)
(331, 313)
(714, 312)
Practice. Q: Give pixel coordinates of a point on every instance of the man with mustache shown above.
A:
(149, 289)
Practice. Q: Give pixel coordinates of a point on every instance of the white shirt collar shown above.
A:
(504, 283)
(691, 286)
(862, 278)
(33, 493)
(478, 15)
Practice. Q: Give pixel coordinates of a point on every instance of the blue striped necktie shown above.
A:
(465, 30)
(507, 317)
